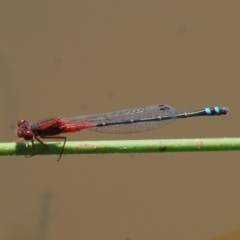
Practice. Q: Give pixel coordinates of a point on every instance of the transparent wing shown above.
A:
(119, 119)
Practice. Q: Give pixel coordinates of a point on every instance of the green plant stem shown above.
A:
(125, 146)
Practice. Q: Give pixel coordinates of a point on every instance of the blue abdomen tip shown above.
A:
(217, 110)
(208, 111)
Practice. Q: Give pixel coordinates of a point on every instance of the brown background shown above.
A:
(67, 58)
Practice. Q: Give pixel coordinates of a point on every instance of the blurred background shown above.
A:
(69, 58)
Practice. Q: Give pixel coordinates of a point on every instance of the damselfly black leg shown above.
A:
(33, 147)
(56, 137)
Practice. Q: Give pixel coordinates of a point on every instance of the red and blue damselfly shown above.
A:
(125, 121)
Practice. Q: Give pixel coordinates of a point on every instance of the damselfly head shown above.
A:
(23, 130)
(26, 134)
